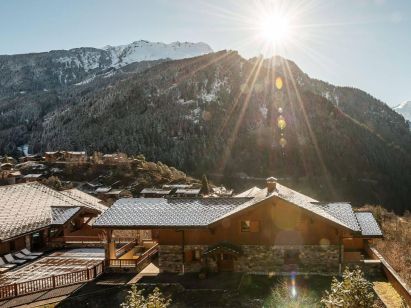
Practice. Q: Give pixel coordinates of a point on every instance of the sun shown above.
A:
(275, 28)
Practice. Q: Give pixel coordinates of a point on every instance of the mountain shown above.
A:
(404, 109)
(222, 115)
(60, 68)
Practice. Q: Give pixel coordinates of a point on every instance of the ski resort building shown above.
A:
(270, 230)
(34, 216)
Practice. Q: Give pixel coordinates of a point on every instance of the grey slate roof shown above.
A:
(60, 214)
(156, 191)
(298, 199)
(342, 211)
(368, 224)
(188, 191)
(201, 212)
(28, 207)
(171, 212)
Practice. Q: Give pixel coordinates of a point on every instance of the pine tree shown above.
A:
(205, 187)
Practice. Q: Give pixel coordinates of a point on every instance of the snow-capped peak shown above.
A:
(403, 105)
(404, 109)
(148, 51)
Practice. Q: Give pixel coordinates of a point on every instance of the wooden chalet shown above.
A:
(67, 156)
(270, 230)
(155, 192)
(34, 216)
(187, 192)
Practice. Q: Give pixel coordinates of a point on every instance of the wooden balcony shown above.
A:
(137, 264)
(51, 282)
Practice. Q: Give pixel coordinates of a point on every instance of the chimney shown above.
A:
(271, 184)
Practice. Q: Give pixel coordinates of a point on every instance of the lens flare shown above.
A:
(283, 142)
(279, 83)
(275, 28)
(293, 285)
(281, 122)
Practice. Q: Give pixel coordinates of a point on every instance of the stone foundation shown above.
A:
(256, 259)
(170, 258)
(270, 259)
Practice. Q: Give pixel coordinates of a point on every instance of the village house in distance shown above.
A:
(34, 216)
(270, 230)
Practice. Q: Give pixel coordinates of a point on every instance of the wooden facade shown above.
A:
(273, 223)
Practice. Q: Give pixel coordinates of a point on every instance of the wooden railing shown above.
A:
(51, 282)
(392, 276)
(135, 263)
(77, 239)
(125, 248)
(125, 239)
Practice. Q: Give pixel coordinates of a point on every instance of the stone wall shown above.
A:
(257, 259)
(266, 259)
(170, 258)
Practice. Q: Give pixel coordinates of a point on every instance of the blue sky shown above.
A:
(361, 43)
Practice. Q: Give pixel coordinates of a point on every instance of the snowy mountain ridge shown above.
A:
(404, 109)
(60, 68)
(148, 51)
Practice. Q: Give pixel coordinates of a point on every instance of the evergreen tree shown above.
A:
(205, 187)
(353, 291)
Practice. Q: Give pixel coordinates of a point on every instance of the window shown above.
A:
(245, 225)
(250, 226)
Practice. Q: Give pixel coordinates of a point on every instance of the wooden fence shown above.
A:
(51, 282)
(82, 239)
(398, 284)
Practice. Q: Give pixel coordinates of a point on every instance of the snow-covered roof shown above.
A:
(27, 207)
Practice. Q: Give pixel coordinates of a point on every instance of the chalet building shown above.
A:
(34, 157)
(34, 216)
(187, 192)
(54, 156)
(155, 192)
(75, 157)
(67, 156)
(115, 158)
(6, 166)
(270, 230)
(110, 195)
(32, 177)
(9, 177)
(177, 186)
(221, 192)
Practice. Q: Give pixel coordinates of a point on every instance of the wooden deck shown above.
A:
(61, 268)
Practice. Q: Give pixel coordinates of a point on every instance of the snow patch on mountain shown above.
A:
(149, 51)
(404, 109)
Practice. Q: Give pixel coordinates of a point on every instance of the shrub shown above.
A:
(136, 299)
(284, 296)
(353, 291)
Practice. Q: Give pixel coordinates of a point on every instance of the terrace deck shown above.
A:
(57, 263)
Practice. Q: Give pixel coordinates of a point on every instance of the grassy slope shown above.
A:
(395, 247)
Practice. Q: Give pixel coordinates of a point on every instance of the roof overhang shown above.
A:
(146, 227)
(3, 240)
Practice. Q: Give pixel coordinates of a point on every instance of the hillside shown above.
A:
(55, 69)
(397, 240)
(220, 114)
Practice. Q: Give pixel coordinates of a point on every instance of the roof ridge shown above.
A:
(59, 193)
